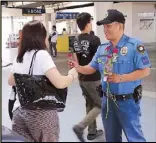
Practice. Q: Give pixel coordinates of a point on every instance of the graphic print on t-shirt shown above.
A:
(77, 48)
(84, 48)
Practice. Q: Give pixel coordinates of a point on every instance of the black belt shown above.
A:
(120, 97)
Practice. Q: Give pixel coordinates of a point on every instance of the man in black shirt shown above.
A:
(84, 47)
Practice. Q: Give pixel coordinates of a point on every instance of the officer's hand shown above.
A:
(73, 64)
(114, 78)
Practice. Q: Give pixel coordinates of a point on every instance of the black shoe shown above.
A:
(79, 133)
(94, 136)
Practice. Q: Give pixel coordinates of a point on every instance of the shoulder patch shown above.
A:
(145, 60)
(141, 49)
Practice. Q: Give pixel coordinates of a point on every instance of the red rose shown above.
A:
(107, 48)
(69, 55)
(109, 56)
(115, 50)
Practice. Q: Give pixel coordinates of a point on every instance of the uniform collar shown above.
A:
(121, 41)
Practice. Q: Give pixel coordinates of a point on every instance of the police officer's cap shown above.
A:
(113, 15)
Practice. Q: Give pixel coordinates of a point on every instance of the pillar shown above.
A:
(45, 21)
(100, 11)
(53, 20)
(12, 24)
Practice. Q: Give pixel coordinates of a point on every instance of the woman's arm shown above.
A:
(11, 79)
(60, 81)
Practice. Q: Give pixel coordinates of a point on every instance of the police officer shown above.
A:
(122, 84)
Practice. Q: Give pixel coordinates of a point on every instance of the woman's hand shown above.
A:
(73, 72)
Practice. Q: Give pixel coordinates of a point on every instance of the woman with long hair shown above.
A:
(36, 124)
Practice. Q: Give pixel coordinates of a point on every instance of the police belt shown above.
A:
(120, 97)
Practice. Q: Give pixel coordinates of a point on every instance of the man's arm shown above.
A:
(82, 69)
(136, 75)
(90, 68)
(85, 69)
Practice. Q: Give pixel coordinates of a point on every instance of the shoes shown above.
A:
(79, 133)
(94, 136)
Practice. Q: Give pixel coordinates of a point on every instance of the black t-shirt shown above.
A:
(85, 52)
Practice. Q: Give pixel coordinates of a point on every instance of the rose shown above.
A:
(108, 48)
(115, 51)
(109, 56)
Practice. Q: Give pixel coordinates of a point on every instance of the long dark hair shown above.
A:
(33, 38)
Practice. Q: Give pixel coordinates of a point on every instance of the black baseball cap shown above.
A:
(113, 15)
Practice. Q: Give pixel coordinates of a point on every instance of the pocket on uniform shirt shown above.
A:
(123, 66)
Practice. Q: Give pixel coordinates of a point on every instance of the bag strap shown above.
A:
(32, 63)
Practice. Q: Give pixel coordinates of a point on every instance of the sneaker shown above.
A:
(94, 136)
(79, 133)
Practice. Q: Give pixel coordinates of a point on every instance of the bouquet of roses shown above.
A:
(111, 58)
(108, 70)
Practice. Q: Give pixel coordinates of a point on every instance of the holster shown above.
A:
(137, 95)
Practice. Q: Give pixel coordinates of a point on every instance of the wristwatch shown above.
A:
(121, 78)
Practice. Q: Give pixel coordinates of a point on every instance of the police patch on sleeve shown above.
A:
(141, 49)
(145, 60)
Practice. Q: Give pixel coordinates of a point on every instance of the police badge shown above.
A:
(124, 51)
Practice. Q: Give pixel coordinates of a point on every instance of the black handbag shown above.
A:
(37, 92)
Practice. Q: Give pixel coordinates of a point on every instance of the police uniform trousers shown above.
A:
(36, 125)
(126, 118)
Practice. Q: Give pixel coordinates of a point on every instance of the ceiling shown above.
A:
(52, 4)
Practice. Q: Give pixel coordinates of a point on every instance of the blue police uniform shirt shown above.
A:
(135, 57)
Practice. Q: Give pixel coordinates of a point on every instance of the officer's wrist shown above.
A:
(78, 67)
(121, 78)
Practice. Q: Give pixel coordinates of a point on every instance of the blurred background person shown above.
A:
(53, 44)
